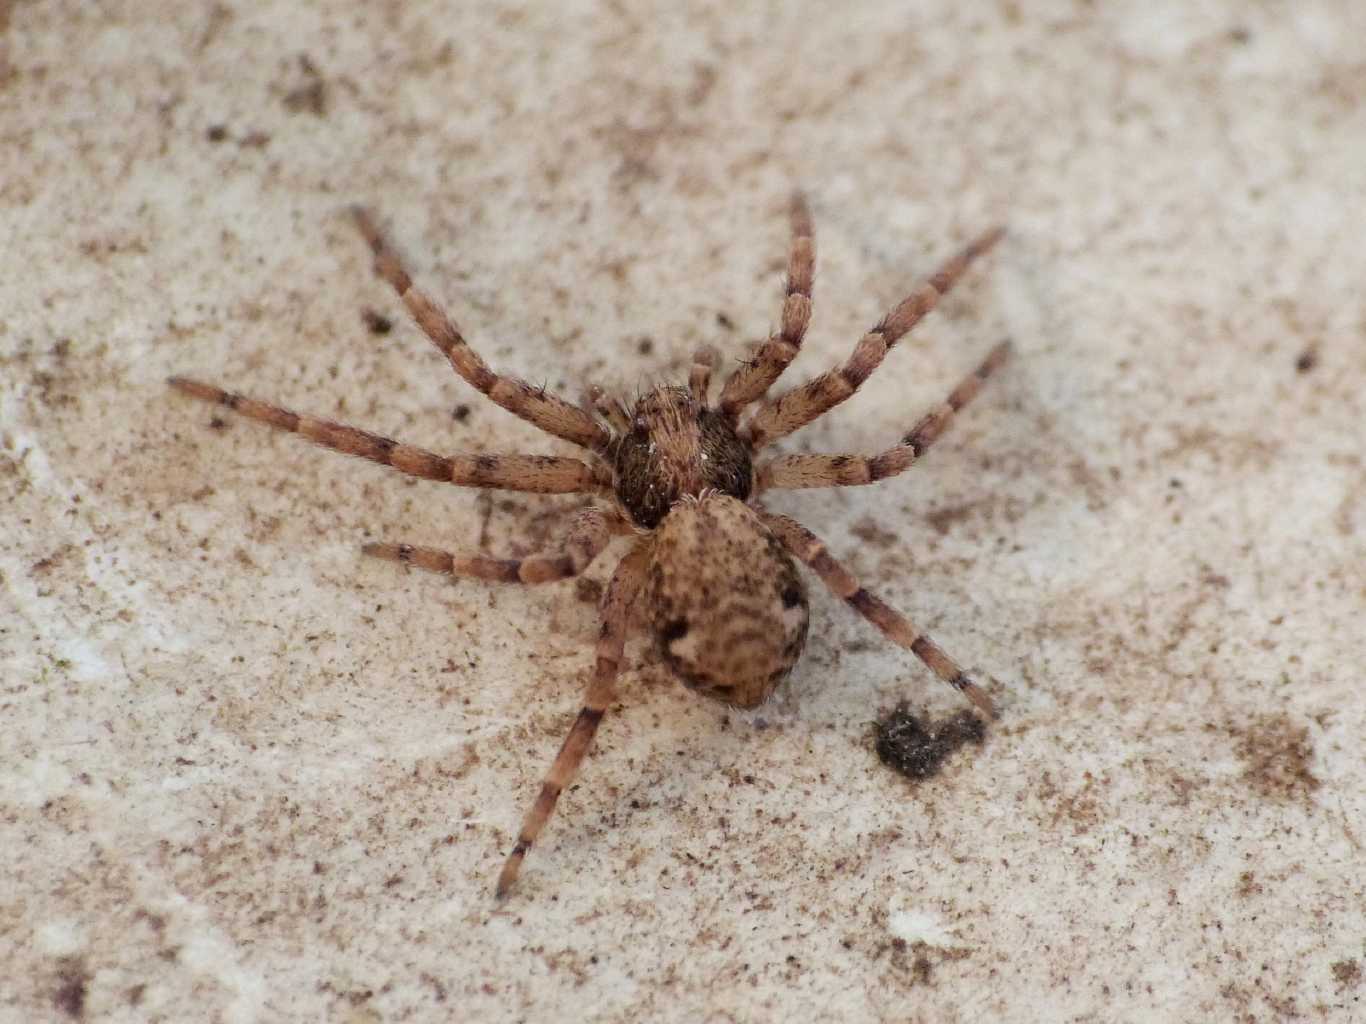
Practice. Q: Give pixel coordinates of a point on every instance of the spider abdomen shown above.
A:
(727, 607)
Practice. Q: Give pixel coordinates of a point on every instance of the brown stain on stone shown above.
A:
(310, 97)
(1080, 806)
(902, 965)
(989, 512)
(1347, 974)
(72, 987)
(870, 531)
(944, 519)
(587, 591)
(1276, 753)
(1234, 450)
(646, 144)
(913, 964)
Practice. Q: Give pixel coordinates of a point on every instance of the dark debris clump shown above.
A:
(917, 747)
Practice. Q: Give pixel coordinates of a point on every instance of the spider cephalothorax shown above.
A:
(676, 447)
(713, 566)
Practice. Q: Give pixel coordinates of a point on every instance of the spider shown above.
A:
(679, 475)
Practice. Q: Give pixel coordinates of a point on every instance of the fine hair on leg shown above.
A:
(809, 549)
(617, 601)
(815, 470)
(535, 405)
(752, 379)
(540, 474)
(589, 532)
(793, 409)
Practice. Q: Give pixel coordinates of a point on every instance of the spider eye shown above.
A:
(792, 596)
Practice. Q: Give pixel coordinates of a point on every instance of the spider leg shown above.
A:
(616, 608)
(778, 417)
(792, 471)
(599, 402)
(699, 378)
(754, 377)
(589, 532)
(808, 548)
(548, 412)
(543, 474)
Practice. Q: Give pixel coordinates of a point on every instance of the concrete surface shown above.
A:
(250, 776)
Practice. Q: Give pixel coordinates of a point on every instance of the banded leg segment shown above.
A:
(589, 532)
(699, 377)
(751, 381)
(539, 408)
(793, 471)
(539, 474)
(809, 548)
(778, 417)
(616, 607)
(598, 402)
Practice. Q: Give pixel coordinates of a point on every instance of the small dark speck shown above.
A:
(1174, 483)
(1240, 35)
(725, 321)
(870, 531)
(917, 747)
(645, 346)
(588, 591)
(377, 322)
(460, 413)
(1307, 360)
(216, 133)
(218, 423)
(311, 96)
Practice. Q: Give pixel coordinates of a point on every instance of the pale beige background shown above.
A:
(249, 776)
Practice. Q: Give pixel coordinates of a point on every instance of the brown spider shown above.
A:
(723, 598)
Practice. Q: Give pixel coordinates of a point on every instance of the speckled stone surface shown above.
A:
(248, 775)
